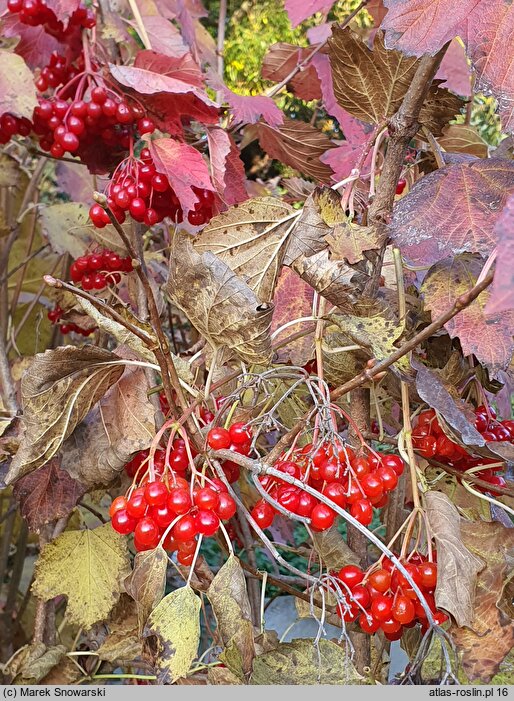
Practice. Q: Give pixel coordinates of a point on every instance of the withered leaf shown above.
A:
(299, 145)
(250, 238)
(304, 662)
(491, 635)
(333, 549)
(218, 303)
(463, 138)
(457, 567)
(33, 662)
(229, 600)
(122, 644)
(335, 280)
(147, 582)
(293, 300)
(349, 241)
(339, 366)
(371, 84)
(440, 397)
(488, 337)
(47, 494)
(58, 390)
(119, 425)
(321, 212)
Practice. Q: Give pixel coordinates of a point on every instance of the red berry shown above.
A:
(428, 572)
(162, 515)
(137, 209)
(122, 522)
(206, 498)
(368, 624)
(322, 517)
(179, 500)
(185, 559)
(380, 580)
(395, 462)
(381, 607)
(306, 503)
(156, 493)
(185, 529)
(218, 438)
(336, 492)
(240, 433)
(263, 514)
(403, 610)
(227, 506)
(117, 505)
(207, 522)
(136, 505)
(362, 511)
(389, 478)
(99, 95)
(196, 218)
(147, 532)
(372, 485)
(145, 126)
(400, 186)
(351, 575)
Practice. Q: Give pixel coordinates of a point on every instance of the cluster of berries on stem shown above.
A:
(99, 269)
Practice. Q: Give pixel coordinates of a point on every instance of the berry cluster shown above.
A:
(430, 441)
(58, 72)
(100, 118)
(139, 189)
(99, 269)
(169, 507)
(11, 125)
(384, 599)
(54, 315)
(38, 12)
(353, 481)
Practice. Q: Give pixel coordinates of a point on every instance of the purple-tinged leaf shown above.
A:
(502, 293)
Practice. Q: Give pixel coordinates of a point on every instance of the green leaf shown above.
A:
(174, 631)
(87, 567)
(302, 662)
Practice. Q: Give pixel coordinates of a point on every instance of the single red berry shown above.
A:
(368, 624)
(117, 505)
(322, 517)
(361, 595)
(185, 559)
(137, 209)
(206, 498)
(403, 610)
(185, 529)
(218, 438)
(147, 532)
(395, 462)
(306, 504)
(400, 186)
(240, 433)
(289, 497)
(389, 478)
(179, 500)
(336, 492)
(99, 94)
(162, 515)
(391, 626)
(227, 506)
(380, 580)
(122, 522)
(372, 485)
(362, 511)
(381, 607)
(156, 493)
(136, 505)
(207, 522)
(351, 575)
(428, 571)
(263, 514)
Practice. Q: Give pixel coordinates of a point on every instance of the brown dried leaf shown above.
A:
(298, 188)
(147, 582)
(47, 494)
(229, 599)
(250, 238)
(293, 300)
(333, 549)
(58, 390)
(222, 675)
(463, 138)
(371, 85)
(121, 424)
(335, 280)
(30, 664)
(321, 211)
(483, 651)
(488, 337)
(457, 567)
(122, 644)
(299, 145)
(218, 303)
(339, 366)
(349, 241)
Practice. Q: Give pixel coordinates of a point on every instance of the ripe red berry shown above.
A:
(263, 514)
(388, 476)
(207, 522)
(99, 94)
(227, 506)
(136, 505)
(368, 624)
(322, 517)
(403, 610)
(362, 511)
(372, 485)
(306, 503)
(185, 529)
(240, 433)
(395, 462)
(218, 438)
(336, 492)
(400, 186)
(179, 500)
(117, 505)
(206, 498)
(380, 580)
(162, 515)
(156, 493)
(381, 607)
(122, 522)
(351, 575)
(147, 532)
(428, 572)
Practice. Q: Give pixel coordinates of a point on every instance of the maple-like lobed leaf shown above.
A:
(87, 567)
(300, 10)
(502, 292)
(247, 109)
(184, 167)
(164, 37)
(489, 338)
(35, 45)
(453, 210)
(228, 174)
(17, 91)
(281, 60)
(47, 494)
(299, 145)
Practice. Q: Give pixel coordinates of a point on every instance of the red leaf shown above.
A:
(489, 338)
(453, 210)
(76, 181)
(164, 36)
(502, 293)
(247, 109)
(377, 10)
(299, 10)
(320, 33)
(292, 300)
(228, 173)
(281, 60)
(455, 70)
(344, 158)
(184, 167)
(64, 8)
(35, 45)
(424, 26)
(47, 494)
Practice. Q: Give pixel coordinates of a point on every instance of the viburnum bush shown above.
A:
(255, 346)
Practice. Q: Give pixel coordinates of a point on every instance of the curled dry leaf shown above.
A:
(33, 662)
(489, 338)
(371, 84)
(173, 633)
(147, 582)
(47, 494)
(333, 549)
(304, 662)
(121, 424)
(228, 174)
(87, 567)
(229, 600)
(299, 145)
(463, 138)
(251, 238)
(219, 304)
(457, 567)
(122, 644)
(58, 390)
(453, 210)
(490, 637)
